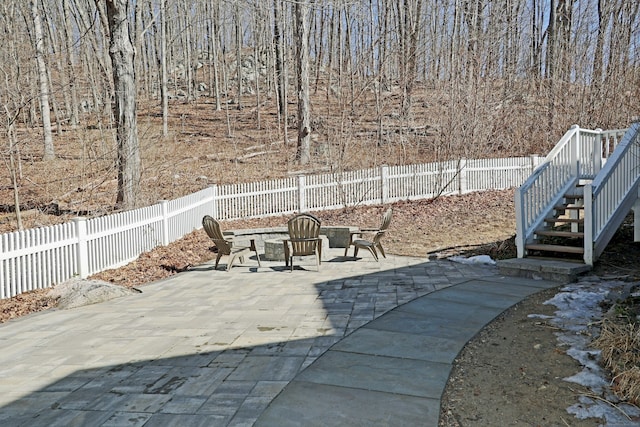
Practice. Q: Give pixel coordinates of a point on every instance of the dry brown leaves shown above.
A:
(25, 303)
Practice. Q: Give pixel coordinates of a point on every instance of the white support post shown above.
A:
(384, 184)
(598, 152)
(636, 219)
(573, 149)
(462, 176)
(302, 194)
(82, 255)
(588, 225)
(520, 227)
(164, 207)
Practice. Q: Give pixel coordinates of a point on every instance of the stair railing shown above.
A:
(578, 155)
(612, 194)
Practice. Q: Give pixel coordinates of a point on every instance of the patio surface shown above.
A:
(358, 343)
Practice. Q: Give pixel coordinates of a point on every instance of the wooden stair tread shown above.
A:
(568, 208)
(572, 220)
(559, 233)
(555, 248)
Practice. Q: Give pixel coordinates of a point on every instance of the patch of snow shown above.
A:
(478, 259)
(539, 316)
(593, 380)
(617, 416)
(577, 315)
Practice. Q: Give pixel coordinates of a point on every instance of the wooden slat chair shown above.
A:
(225, 245)
(374, 245)
(304, 239)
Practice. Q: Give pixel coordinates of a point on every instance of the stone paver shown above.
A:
(358, 343)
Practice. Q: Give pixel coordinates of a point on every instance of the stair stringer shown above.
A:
(625, 162)
(616, 221)
(529, 233)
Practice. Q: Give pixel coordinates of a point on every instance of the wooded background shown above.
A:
(456, 78)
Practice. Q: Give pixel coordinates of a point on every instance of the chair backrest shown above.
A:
(304, 230)
(212, 227)
(386, 221)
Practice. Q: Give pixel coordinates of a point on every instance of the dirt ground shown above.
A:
(510, 374)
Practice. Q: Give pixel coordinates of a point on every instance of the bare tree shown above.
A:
(122, 60)
(238, 28)
(49, 152)
(163, 68)
(303, 152)
(280, 67)
(409, 12)
(69, 55)
(213, 39)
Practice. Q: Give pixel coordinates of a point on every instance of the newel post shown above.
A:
(573, 150)
(588, 225)
(636, 219)
(82, 252)
(520, 224)
(598, 152)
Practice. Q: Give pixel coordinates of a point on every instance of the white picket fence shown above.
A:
(41, 257)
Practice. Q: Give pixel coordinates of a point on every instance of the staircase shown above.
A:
(562, 233)
(571, 206)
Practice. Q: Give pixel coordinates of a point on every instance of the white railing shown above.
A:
(577, 156)
(41, 257)
(612, 194)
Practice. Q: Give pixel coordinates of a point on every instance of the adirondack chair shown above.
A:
(304, 239)
(374, 245)
(225, 245)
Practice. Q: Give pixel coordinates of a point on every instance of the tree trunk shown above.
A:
(213, 46)
(258, 18)
(12, 164)
(49, 153)
(412, 14)
(75, 116)
(163, 68)
(238, 24)
(188, 60)
(122, 60)
(281, 68)
(303, 152)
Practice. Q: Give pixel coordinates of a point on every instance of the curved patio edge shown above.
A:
(394, 369)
